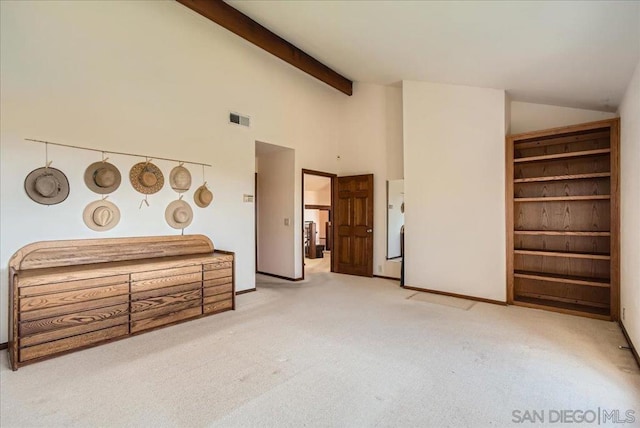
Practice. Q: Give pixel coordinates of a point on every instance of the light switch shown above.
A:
(286, 222)
(247, 198)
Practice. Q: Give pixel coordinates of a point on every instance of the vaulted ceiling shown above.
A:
(573, 53)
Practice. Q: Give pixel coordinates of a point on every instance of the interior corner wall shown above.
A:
(276, 245)
(525, 117)
(630, 208)
(454, 169)
(371, 134)
(153, 78)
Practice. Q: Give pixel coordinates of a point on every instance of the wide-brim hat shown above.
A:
(180, 179)
(47, 186)
(178, 214)
(203, 196)
(146, 178)
(101, 215)
(102, 177)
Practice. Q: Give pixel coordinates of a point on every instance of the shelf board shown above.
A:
(563, 177)
(563, 155)
(563, 254)
(564, 198)
(564, 279)
(564, 300)
(543, 142)
(559, 233)
(566, 308)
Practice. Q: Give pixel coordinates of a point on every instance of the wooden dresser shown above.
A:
(69, 295)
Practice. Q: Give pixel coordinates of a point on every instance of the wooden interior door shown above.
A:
(353, 225)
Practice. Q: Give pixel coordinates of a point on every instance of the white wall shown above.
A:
(630, 207)
(276, 246)
(395, 198)
(156, 78)
(371, 136)
(454, 189)
(526, 117)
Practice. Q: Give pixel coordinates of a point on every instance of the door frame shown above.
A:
(302, 205)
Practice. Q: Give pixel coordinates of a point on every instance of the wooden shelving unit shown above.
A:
(563, 219)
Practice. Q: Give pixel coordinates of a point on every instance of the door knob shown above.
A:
(369, 230)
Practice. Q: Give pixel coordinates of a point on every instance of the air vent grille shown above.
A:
(239, 119)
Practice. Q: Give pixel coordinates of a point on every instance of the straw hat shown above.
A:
(178, 214)
(101, 215)
(47, 186)
(180, 179)
(146, 178)
(102, 177)
(203, 196)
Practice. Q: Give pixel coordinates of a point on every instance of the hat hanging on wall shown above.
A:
(178, 214)
(47, 186)
(180, 179)
(146, 178)
(203, 196)
(102, 177)
(101, 215)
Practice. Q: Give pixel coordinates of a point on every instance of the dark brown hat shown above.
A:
(47, 186)
(102, 177)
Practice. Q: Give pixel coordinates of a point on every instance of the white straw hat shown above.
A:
(101, 215)
(178, 214)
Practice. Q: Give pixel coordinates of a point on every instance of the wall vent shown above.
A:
(239, 119)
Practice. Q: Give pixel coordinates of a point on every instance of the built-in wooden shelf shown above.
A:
(563, 254)
(563, 201)
(559, 233)
(564, 279)
(563, 177)
(564, 198)
(563, 155)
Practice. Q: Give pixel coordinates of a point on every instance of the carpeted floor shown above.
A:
(334, 351)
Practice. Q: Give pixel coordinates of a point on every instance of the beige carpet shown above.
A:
(438, 299)
(334, 351)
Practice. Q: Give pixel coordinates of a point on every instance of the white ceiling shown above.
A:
(571, 53)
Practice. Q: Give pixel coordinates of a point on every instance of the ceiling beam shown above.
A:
(237, 22)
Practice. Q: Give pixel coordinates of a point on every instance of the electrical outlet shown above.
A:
(623, 313)
(379, 268)
(247, 198)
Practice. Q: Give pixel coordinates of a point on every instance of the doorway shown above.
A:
(317, 217)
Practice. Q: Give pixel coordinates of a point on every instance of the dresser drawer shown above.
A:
(217, 298)
(162, 304)
(72, 319)
(167, 281)
(220, 273)
(160, 273)
(165, 291)
(218, 306)
(72, 285)
(68, 297)
(75, 329)
(169, 318)
(73, 308)
(218, 289)
(218, 265)
(70, 343)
